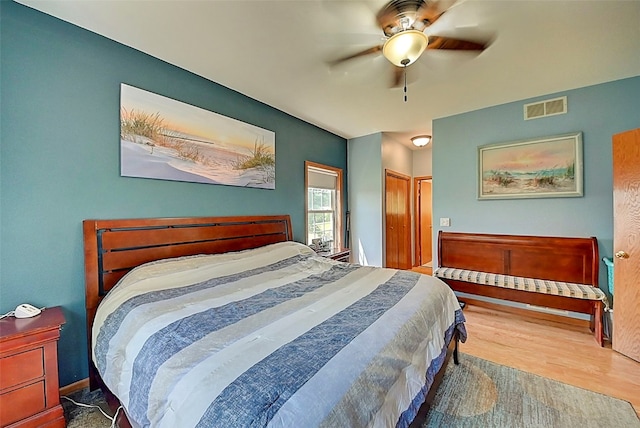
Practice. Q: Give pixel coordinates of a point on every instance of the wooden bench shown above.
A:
(553, 272)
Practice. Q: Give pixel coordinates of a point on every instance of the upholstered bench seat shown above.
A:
(511, 268)
(557, 288)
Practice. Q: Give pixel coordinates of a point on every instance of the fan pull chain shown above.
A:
(405, 62)
(405, 83)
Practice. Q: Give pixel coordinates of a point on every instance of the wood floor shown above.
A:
(566, 353)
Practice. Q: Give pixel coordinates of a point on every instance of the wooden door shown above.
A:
(423, 219)
(397, 220)
(626, 243)
(391, 221)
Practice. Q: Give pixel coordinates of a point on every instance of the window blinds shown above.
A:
(321, 179)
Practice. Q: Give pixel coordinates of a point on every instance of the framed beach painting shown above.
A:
(166, 139)
(549, 167)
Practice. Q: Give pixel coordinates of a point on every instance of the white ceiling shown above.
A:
(278, 52)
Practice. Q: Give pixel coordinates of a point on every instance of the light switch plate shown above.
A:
(445, 221)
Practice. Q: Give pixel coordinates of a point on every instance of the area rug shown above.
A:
(78, 416)
(479, 393)
(476, 393)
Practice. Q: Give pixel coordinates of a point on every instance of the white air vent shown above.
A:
(545, 108)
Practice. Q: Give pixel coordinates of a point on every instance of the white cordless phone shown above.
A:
(25, 310)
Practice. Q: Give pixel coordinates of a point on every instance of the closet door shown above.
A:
(626, 243)
(397, 220)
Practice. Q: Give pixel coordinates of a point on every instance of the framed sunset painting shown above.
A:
(166, 139)
(549, 167)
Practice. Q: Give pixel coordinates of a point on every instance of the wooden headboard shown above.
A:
(545, 257)
(114, 247)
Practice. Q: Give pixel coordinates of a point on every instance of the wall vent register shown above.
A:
(545, 108)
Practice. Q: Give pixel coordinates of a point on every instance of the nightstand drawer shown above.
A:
(22, 403)
(29, 388)
(20, 368)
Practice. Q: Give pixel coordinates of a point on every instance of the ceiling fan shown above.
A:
(403, 23)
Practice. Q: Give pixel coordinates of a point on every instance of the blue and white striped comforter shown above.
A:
(275, 336)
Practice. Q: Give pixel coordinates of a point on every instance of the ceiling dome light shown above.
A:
(421, 140)
(404, 48)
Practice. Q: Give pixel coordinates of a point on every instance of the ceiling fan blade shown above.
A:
(448, 43)
(410, 73)
(430, 11)
(372, 50)
(398, 75)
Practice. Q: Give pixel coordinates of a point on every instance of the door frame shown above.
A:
(416, 217)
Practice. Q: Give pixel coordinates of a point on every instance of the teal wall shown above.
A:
(597, 111)
(59, 159)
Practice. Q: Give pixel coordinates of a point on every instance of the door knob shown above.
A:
(622, 255)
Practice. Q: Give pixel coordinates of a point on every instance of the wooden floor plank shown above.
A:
(564, 352)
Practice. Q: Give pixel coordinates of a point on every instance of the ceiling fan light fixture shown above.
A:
(405, 45)
(421, 140)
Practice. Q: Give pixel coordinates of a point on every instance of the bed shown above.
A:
(226, 321)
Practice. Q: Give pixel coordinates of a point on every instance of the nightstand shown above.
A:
(29, 388)
(338, 254)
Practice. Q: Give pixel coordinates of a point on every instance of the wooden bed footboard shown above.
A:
(571, 260)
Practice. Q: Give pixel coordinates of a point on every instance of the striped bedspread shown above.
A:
(274, 336)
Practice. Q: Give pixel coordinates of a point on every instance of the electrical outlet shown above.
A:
(445, 221)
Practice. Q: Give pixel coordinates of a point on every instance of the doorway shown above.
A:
(423, 222)
(397, 220)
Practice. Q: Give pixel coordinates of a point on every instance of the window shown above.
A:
(321, 214)
(323, 203)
